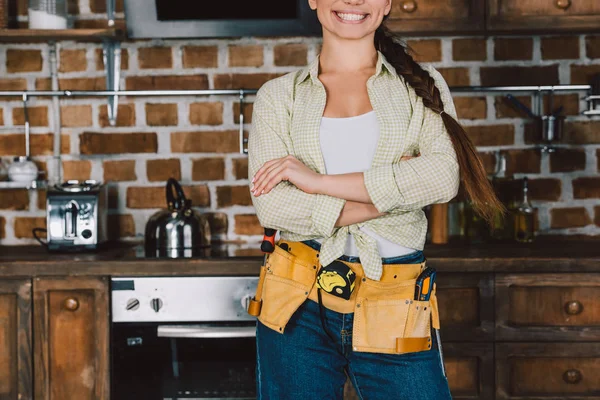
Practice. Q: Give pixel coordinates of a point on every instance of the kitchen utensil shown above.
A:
(48, 14)
(22, 169)
(551, 127)
(178, 231)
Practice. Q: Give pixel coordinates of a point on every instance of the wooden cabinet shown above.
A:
(543, 16)
(470, 369)
(418, 17)
(15, 339)
(71, 334)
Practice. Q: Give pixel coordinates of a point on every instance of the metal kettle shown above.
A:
(178, 231)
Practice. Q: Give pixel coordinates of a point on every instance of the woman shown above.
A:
(343, 157)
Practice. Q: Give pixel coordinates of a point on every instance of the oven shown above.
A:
(182, 338)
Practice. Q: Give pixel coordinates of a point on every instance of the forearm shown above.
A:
(354, 212)
(346, 186)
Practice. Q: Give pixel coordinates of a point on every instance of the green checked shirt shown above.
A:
(286, 120)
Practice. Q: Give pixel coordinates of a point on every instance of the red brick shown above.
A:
(113, 197)
(567, 160)
(119, 170)
(598, 158)
(505, 109)
(290, 55)
(206, 113)
(72, 84)
(1, 116)
(246, 56)
(560, 47)
(98, 24)
(125, 115)
(117, 143)
(24, 226)
(14, 199)
(121, 226)
(545, 189)
(72, 60)
(592, 46)
(242, 81)
(208, 169)
(65, 144)
(581, 132)
(162, 170)
(513, 49)
(205, 142)
(76, 115)
(14, 144)
(523, 161)
(470, 107)
(491, 135)
(13, 84)
(228, 196)
(41, 199)
(99, 6)
(218, 222)
(247, 224)
(78, 169)
(586, 188)
(570, 103)
(38, 116)
(155, 57)
(200, 56)
(528, 76)
(428, 50)
(248, 108)
(583, 74)
(167, 82)
(161, 114)
(23, 60)
(597, 217)
(2, 228)
(99, 56)
(154, 197)
(240, 168)
(455, 76)
(572, 217)
(469, 49)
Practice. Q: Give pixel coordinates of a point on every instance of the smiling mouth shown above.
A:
(351, 17)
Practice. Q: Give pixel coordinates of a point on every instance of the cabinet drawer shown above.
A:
(548, 371)
(434, 16)
(466, 306)
(548, 307)
(470, 369)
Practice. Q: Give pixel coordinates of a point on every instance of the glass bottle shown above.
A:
(524, 218)
(48, 14)
(504, 186)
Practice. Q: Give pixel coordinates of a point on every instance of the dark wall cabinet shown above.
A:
(458, 17)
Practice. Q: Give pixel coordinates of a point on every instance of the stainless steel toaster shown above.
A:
(76, 215)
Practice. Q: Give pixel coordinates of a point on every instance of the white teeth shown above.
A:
(351, 17)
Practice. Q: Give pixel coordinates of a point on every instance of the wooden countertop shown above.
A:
(562, 254)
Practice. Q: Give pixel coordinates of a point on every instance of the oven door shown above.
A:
(182, 361)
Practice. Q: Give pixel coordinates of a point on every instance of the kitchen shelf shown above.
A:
(45, 35)
(39, 184)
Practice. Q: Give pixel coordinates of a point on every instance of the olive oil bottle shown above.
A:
(524, 218)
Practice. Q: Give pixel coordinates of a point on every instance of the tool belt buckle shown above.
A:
(336, 279)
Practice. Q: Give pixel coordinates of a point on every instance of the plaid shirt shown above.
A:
(286, 120)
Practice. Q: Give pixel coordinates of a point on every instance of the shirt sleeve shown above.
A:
(285, 207)
(431, 178)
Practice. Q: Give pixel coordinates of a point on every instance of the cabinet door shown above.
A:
(548, 307)
(548, 371)
(466, 305)
(417, 17)
(543, 16)
(71, 333)
(15, 339)
(470, 370)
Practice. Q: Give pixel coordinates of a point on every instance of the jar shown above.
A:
(22, 169)
(48, 14)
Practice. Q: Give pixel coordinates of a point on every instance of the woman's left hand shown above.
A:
(287, 168)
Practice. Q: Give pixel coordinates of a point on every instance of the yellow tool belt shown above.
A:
(387, 319)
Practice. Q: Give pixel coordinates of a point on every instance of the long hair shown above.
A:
(475, 183)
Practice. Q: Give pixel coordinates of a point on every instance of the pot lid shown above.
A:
(77, 186)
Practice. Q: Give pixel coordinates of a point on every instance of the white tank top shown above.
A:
(348, 145)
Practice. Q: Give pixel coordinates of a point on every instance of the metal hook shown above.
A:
(26, 114)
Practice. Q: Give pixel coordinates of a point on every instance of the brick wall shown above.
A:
(196, 139)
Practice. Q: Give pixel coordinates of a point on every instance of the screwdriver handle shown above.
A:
(268, 242)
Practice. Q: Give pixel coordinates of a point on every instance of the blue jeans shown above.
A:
(305, 364)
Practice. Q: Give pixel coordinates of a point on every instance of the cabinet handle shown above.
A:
(563, 4)
(573, 307)
(408, 6)
(572, 376)
(71, 303)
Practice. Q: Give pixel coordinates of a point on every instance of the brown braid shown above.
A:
(473, 176)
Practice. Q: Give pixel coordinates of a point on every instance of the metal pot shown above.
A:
(178, 231)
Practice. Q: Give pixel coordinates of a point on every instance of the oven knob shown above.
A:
(86, 234)
(132, 304)
(156, 304)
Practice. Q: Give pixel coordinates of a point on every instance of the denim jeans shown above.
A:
(305, 364)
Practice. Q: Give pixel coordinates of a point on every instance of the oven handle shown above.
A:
(206, 331)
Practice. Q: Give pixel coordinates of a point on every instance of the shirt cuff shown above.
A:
(382, 188)
(326, 212)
